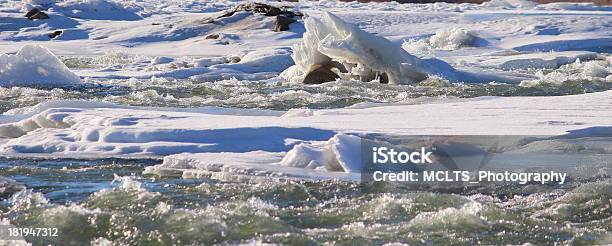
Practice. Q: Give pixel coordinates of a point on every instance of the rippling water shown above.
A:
(110, 201)
(106, 201)
(272, 95)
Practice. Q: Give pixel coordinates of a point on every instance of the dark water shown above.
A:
(111, 201)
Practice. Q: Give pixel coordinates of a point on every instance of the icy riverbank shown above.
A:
(65, 129)
(501, 41)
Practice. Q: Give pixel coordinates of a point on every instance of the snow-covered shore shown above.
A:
(497, 41)
(261, 139)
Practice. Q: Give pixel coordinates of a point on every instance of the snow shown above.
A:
(322, 143)
(161, 60)
(34, 65)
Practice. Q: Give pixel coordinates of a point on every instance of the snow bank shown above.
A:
(261, 64)
(340, 153)
(198, 141)
(547, 60)
(99, 9)
(34, 65)
(362, 54)
(510, 4)
(577, 6)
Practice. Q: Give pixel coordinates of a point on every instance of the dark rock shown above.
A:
(267, 10)
(212, 36)
(383, 78)
(32, 12)
(273, 11)
(36, 14)
(234, 59)
(339, 66)
(318, 74)
(282, 23)
(55, 34)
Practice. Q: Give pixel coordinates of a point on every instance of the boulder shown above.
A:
(36, 14)
(318, 74)
(212, 36)
(55, 34)
(234, 59)
(282, 23)
(261, 8)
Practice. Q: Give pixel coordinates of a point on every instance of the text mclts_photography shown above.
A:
(306, 122)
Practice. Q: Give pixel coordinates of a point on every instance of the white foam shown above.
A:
(595, 70)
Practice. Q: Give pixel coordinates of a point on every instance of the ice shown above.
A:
(363, 54)
(541, 60)
(260, 64)
(34, 65)
(161, 60)
(302, 143)
(510, 4)
(594, 70)
(443, 39)
(337, 154)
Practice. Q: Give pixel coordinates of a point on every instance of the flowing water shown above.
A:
(111, 201)
(273, 95)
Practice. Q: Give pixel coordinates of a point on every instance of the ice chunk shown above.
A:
(330, 41)
(340, 153)
(443, 39)
(161, 60)
(34, 65)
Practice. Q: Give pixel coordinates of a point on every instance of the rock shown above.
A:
(36, 14)
(267, 10)
(282, 23)
(318, 74)
(383, 78)
(212, 36)
(234, 59)
(55, 34)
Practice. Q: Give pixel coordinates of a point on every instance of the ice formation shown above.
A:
(336, 154)
(595, 70)
(443, 39)
(34, 65)
(330, 41)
